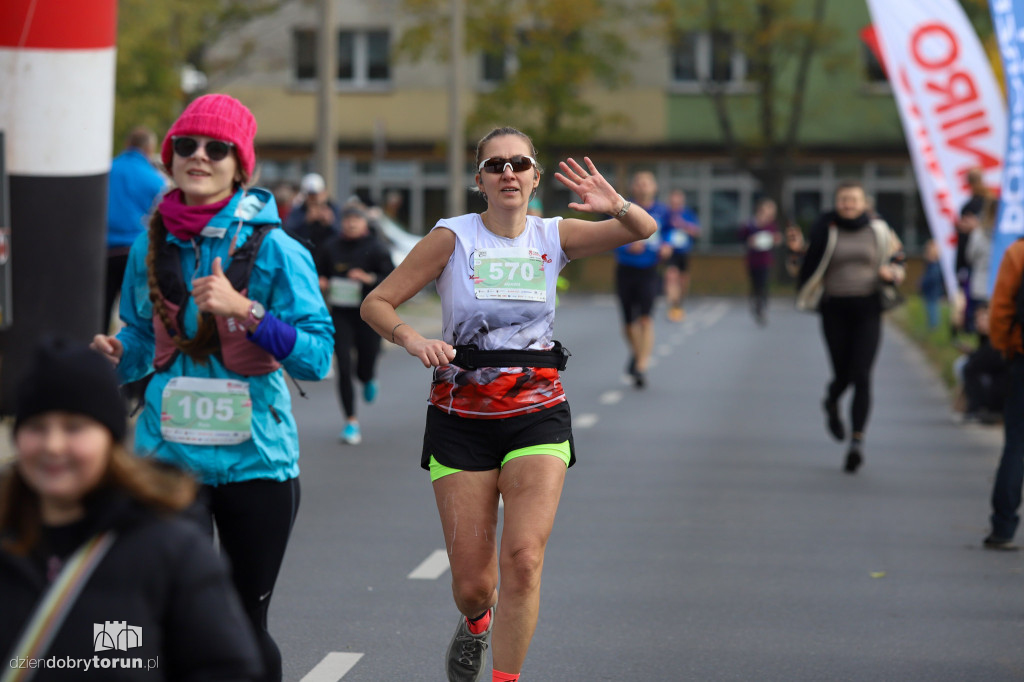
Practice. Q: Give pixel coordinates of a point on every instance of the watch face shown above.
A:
(257, 310)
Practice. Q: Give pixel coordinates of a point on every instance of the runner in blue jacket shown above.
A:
(218, 303)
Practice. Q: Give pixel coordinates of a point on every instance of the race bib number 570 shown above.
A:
(512, 273)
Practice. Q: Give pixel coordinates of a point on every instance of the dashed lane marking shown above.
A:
(584, 421)
(432, 568)
(333, 667)
(610, 397)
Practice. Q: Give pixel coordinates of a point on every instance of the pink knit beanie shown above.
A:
(221, 117)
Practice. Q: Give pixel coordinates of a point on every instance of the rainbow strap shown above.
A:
(56, 603)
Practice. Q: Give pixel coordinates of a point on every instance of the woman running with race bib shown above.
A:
(217, 304)
(498, 422)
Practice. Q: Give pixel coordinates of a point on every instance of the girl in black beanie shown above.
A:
(157, 597)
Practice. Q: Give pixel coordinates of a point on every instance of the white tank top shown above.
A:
(499, 294)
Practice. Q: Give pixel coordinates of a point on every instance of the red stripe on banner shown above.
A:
(58, 24)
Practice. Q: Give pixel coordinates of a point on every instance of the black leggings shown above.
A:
(117, 263)
(853, 328)
(351, 333)
(254, 520)
(759, 288)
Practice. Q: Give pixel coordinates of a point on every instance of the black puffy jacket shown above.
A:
(161, 576)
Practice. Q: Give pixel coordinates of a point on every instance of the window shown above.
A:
(725, 216)
(346, 55)
(363, 59)
(304, 41)
(499, 60)
(700, 57)
(684, 57)
(873, 68)
(806, 207)
(378, 56)
(495, 67)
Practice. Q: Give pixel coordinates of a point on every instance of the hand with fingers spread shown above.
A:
(596, 195)
(214, 294)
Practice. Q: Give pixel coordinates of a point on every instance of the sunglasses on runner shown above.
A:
(518, 164)
(216, 150)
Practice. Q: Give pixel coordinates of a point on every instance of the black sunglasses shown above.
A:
(496, 164)
(216, 150)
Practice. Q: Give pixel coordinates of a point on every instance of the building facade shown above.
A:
(391, 116)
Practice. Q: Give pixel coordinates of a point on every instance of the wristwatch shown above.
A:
(625, 207)
(256, 314)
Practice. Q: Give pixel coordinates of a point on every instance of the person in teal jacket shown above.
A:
(217, 304)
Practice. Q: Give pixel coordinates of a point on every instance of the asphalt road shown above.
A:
(706, 533)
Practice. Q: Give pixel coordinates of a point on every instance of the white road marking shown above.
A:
(610, 397)
(432, 568)
(664, 350)
(584, 421)
(716, 314)
(333, 667)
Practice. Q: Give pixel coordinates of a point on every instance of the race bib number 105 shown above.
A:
(206, 411)
(512, 273)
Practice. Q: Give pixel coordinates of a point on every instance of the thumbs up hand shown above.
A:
(214, 294)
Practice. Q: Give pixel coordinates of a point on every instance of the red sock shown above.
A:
(499, 676)
(479, 624)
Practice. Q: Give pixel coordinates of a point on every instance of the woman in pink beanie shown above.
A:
(217, 304)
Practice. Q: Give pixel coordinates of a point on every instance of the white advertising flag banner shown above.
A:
(1008, 21)
(953, 113)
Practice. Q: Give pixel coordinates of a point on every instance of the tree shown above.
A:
(554, 50)
(155, 40)
(779, 40)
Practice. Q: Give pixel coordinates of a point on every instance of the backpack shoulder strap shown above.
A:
(244, 258)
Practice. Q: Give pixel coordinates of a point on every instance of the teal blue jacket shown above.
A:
(285, 282)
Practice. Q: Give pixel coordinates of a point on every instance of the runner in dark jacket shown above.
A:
(350, 265)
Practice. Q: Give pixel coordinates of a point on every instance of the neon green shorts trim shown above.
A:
(559, 450)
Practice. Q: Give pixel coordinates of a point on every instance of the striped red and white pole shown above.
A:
(57, 65)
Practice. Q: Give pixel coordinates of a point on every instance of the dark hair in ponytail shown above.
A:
(206, 342)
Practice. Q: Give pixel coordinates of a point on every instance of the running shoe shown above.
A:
(834, 422)
(1000, 544)
(466, 653)
(351, 435)
(676, 314)
(370, 390)
(854, 459)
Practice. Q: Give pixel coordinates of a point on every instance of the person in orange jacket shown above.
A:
(1005, 334)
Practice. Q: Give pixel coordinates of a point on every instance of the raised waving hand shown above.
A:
(596, 195)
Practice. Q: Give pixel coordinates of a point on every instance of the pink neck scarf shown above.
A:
(183, 221)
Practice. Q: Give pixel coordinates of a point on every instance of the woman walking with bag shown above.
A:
(853, 260)
(217, 303)
(498, 422)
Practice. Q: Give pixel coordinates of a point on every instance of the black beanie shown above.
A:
(70, 377)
